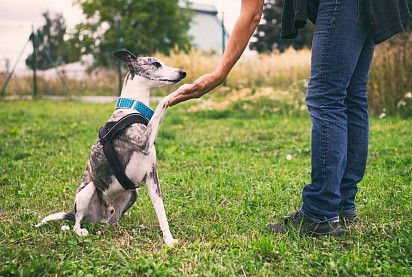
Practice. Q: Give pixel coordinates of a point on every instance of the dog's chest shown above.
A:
(128, 145)
(136, 169)
(139, 164)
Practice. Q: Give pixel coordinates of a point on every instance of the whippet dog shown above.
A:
(100, 197)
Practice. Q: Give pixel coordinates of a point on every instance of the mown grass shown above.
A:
(224, 175)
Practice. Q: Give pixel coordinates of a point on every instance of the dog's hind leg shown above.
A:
(81, 205)
(153, 187)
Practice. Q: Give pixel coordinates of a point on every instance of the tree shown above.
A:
(267, 35)
(144, 26)
(49, 41)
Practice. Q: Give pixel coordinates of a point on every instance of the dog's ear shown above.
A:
(124, 55)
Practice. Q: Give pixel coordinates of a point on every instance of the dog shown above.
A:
(100, 197)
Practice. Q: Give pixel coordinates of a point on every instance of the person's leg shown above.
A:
(340, 34)
(339, 49)
(358, 131)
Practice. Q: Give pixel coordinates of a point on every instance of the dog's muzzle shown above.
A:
(181, 73)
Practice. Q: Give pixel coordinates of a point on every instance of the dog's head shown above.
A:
(150, 68)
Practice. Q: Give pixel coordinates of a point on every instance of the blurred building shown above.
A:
(207, 29)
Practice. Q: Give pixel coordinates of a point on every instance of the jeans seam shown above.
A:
(323, 77)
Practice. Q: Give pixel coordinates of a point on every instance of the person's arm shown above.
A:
(246, 24)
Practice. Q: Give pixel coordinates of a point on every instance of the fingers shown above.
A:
(186, 92)
(195, 90)
(179, 98)
(185, 87)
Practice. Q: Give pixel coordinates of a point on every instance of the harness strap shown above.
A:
(106, 134)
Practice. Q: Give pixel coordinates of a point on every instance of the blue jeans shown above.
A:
(342, 51)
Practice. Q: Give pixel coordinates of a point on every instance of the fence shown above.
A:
(80, 85)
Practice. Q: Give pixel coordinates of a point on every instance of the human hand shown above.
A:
(201, 86)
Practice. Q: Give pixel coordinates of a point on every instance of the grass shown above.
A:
(224, 175)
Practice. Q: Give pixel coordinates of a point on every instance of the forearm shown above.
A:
(245, 26)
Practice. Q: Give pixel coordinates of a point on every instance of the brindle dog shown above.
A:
(100, 197)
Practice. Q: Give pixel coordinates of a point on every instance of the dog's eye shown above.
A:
(157, 64)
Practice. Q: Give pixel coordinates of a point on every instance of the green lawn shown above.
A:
(224, 175)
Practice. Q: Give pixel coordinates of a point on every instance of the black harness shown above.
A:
(106, 134)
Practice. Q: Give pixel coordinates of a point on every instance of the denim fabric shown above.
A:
(342, 51)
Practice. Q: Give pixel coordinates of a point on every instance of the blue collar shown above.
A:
(126, 103)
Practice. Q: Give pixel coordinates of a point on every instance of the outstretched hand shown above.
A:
(249, 18)
(201, 86)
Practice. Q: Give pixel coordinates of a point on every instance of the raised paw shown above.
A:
(171, 242)
(175, 93)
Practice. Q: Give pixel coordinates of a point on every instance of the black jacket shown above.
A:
(386, 17)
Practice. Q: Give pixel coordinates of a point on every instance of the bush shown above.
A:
(390, 78)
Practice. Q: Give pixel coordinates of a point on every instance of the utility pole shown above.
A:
(33, 40)
(223, 33)
(119, 45)
(223, 39)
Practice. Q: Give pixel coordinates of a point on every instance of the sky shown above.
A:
(18, 16)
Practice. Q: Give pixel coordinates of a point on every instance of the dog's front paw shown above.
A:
(183, 87)
(171, 242)
(177, 92)
(82, 232)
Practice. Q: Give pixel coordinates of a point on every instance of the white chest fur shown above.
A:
(137, 168)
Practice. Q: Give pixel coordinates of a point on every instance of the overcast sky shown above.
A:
(17, 17)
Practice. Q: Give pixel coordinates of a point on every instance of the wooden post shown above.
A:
(223, 39)
(33, 40)
(223, 33)
(119, 45)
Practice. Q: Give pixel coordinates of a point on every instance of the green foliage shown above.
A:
(49, 41)
(143, 27)
(267, 35)
(223, 178)
(390, 82)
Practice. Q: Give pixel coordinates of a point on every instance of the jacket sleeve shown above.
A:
(288, 30)
(295, 15)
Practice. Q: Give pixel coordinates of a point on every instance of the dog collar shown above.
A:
(126, 103)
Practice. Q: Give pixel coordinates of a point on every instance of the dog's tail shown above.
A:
(57, 216)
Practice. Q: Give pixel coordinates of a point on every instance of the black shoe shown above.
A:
(348, 217)
(298, 222)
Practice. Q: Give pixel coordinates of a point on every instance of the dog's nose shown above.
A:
(182, 74)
